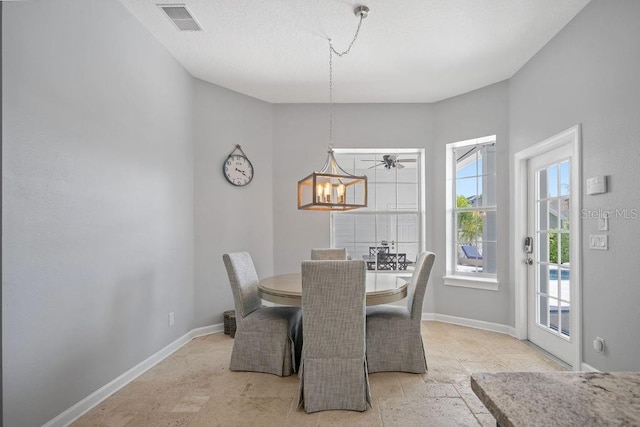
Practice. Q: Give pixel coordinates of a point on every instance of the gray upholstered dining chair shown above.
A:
(266, 337)
(333, 372)
(394, 341)
(329, 254)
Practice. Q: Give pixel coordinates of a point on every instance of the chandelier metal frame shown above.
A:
(332, 188)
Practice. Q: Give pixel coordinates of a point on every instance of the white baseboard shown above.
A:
(82, 407)
(86, 404)
(588, 368)
(206, 330)
(478, 324)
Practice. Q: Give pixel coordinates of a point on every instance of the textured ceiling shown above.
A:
(407, 51)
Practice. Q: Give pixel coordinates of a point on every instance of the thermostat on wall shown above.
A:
(597, 185)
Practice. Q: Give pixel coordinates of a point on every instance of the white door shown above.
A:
(549, 275)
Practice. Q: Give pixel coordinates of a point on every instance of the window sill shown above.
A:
(484, 283)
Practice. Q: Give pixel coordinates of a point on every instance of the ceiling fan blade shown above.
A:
(399, 165)
(375, 166)
(407, 160)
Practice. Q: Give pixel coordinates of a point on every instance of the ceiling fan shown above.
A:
(390, 161)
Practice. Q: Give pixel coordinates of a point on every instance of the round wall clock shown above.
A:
(237, 168)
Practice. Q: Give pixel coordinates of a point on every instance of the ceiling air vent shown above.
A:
(180, 16)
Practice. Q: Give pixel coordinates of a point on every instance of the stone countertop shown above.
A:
(560, 398)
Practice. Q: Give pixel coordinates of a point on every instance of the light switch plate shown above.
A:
(599, 242)
(603, 223)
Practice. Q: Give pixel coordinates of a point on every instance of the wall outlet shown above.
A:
(171, 319)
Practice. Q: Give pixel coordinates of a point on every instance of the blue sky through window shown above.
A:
(467, 187)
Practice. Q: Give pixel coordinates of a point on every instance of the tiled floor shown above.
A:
(194, 387)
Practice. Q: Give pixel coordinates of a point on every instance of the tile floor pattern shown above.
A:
(194, 387)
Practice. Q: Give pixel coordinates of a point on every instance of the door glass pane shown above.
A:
(543, 278)
(553, 214)
(543, 247)
(552, 181)
(565, 212)
(541, 192)
(553, 247)
(564, 248)
(543, 214)
(543, 316)
(553, 314)
(564, 178)
(565, 321)
(565, 282)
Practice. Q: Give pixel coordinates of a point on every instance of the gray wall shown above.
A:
(98, 201)
(228, 218)
(588, 74)
(479, 113)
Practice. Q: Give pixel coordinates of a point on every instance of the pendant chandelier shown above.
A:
(332, 188)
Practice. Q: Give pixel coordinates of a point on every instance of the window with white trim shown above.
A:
(471, 212)
(389, 233)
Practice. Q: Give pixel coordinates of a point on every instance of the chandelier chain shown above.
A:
(355, 37)
(330, 96)
(332, 50)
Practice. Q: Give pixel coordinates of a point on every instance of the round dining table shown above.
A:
(286, 289)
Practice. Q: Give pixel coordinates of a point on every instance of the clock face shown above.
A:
(238, 170)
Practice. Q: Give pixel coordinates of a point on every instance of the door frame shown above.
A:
(573, 137)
